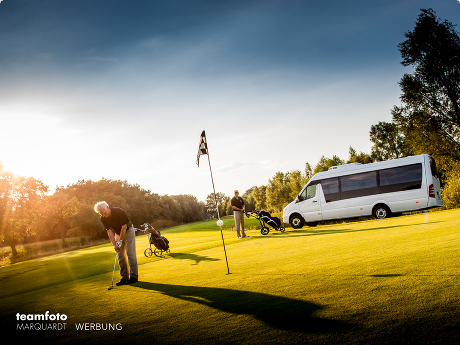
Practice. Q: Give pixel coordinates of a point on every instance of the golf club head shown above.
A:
(110, 288)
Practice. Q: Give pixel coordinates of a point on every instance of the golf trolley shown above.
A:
(266, 220)
(160, 243)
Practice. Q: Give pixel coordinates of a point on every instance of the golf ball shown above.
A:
(220, 222)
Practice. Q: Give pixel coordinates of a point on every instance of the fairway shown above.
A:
(389, 281)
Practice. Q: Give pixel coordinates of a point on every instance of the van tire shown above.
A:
(296, 221)
(381, 212)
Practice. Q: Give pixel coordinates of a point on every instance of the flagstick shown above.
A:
(218, 215)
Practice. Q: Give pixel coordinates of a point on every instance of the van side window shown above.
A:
(401, 178)
(354, 186)
(308, 193)
(331, 189)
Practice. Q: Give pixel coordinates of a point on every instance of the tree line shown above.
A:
(426, 121)
(29, 213)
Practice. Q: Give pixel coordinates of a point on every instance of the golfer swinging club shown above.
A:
(122, 235)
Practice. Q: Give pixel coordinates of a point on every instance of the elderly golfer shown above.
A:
(122, 235)
(238, 214)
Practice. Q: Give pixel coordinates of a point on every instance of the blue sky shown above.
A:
(122, 90)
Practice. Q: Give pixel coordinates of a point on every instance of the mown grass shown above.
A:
(390, 281)
(39, 249)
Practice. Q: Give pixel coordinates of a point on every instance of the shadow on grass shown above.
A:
(308, 232)
(194, 257)
(275, 311)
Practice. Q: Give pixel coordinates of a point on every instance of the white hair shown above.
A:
(101, 205)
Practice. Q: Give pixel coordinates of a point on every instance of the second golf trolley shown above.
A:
(160, 243)
(266, 221)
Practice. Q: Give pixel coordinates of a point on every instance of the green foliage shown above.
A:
(211, 207)
(249, 201)
(451, 190)
(388, 141)
(429, 117)
(325, 163)
(278, 191)
(260, 197)
(26, 212)
(282, 188)
(360, 157)
(19, 201)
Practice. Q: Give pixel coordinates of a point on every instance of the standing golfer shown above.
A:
(238, 214)
(122, 235)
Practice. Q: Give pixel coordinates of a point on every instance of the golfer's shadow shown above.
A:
(275, 311)
(194, 257)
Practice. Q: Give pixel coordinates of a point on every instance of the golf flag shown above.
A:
(202, 149)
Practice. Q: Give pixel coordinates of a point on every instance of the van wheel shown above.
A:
(381, 212)
(296, 221)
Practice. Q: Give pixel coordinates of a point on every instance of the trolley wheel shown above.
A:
(282, 229)
(264, 230)
(148, 252)
(158, 252)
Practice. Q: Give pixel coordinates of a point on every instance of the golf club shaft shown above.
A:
(114, 264)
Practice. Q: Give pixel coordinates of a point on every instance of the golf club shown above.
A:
(114, 264)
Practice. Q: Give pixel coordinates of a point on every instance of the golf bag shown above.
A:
(158, 241)
(274, 222)
(266, 220)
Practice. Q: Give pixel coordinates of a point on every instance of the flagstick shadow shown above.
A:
(275, 311)
(193, 257)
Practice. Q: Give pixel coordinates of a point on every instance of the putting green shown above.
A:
(389, 281)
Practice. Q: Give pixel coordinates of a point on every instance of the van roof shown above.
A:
(354, 168)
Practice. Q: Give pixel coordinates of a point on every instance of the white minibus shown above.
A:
(379, 189)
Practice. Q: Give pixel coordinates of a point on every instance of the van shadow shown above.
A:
(275, 311)
(193, 257)
(308, 232)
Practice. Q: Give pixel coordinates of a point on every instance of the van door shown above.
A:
(332, 207)
(309, 203)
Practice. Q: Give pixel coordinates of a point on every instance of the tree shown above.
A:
(431, 94)
(325, 163)
(249, 201)
(296, 182)
(211, 203)
(227, 207)
(360, 157)
(61, 209)
(19, 201)
(451, 190)
(260, 197)
(278, 191)
(388, 141)
(308, 172)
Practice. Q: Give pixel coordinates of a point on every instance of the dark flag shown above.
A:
(202, 149)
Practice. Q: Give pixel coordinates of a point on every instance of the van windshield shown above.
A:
(308, 193)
